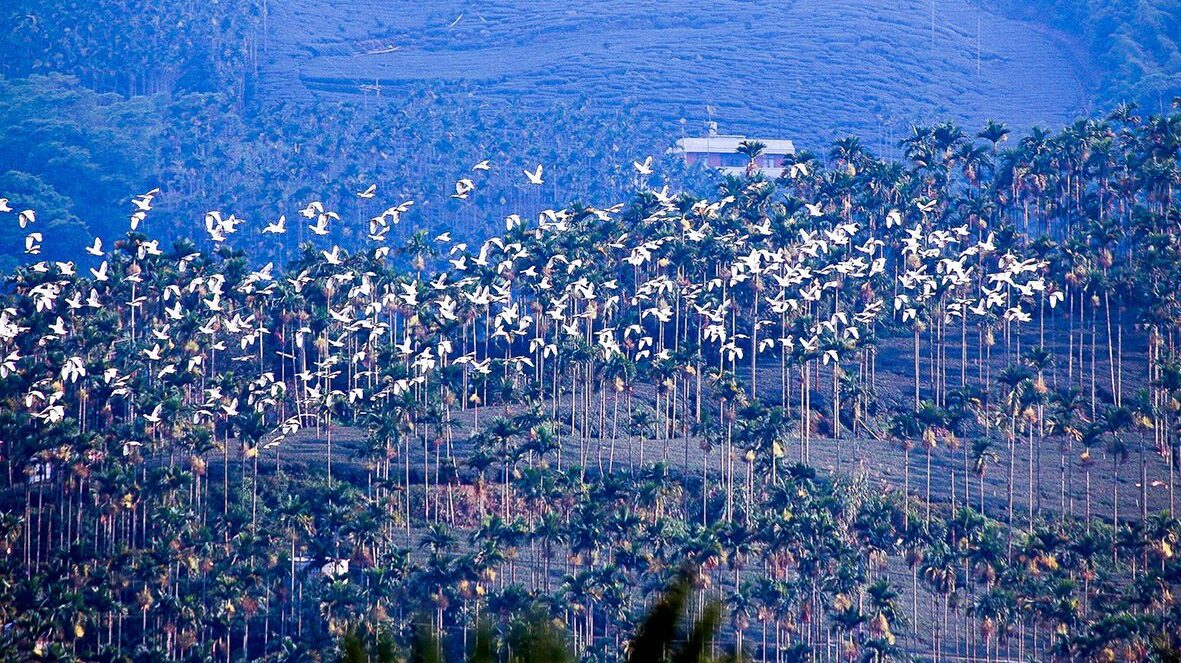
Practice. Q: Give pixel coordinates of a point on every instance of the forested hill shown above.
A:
(248, 106)
(1132, 44)
(762, 66)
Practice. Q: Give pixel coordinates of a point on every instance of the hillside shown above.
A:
(1133, 44)
(249, 105)
(808, 69)
(882, 411)
(415, 337)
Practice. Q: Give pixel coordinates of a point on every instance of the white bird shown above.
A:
(332, 257)
(1016, 313)
(101, 273)
(404, 348)
(33, 243)
(320, 227)
(136, 218)
(462, 188)
(870, 246)
(315, 207)
(340, 568)
(810, 344)
(644, 168)
(410, 293)
(535, 176)
(151, 248)
(8, 365)
(4, 206)
(26, 217)
(213, 227)
(368, 193)
(483, 165)
(277, 227)
(154, 417)
(814, 209)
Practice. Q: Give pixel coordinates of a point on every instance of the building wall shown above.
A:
(732, 160)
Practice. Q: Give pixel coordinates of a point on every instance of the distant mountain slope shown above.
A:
(808, 69)
(1133, 43)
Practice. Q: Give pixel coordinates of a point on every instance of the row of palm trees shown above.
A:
(559, 417)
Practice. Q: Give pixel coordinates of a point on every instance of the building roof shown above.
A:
(724, 144)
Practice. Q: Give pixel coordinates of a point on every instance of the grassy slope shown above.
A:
(807, 69)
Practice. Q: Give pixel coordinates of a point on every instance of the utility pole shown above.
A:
(977, 40)
(932, 26)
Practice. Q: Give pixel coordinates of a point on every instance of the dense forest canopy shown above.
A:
(878, 407)
(135, 47)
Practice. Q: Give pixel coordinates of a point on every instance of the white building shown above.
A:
(721, 151)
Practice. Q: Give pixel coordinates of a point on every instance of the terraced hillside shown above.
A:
(810, 69)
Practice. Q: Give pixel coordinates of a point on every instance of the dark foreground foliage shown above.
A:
(668, 634)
